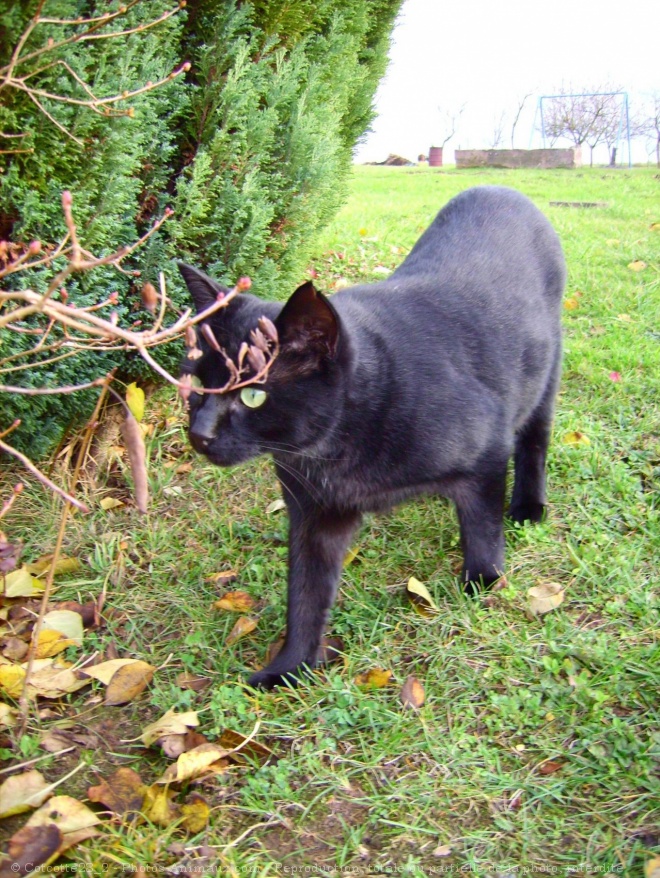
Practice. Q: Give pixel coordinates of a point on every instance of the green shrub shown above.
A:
(251, 148)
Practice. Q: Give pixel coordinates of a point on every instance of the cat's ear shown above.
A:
(308, 324)
(204, 290)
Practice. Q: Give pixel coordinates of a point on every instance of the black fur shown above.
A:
(426, 382)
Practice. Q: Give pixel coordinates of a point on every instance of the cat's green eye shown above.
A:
(252, 397)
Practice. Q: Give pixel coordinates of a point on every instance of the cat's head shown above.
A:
(294, 406)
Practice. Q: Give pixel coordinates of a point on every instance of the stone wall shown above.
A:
(518, 158)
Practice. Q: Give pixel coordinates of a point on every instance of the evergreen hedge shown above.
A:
(251, 148)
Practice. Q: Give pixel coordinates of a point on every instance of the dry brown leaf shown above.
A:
(121, 793)
(196, 814)
(128, 682)
(331, 650)
(545, 597)
(412, 693)
(235, 602)
(195, 763)
(442, 850)
(234, 741)
(223, 577)
(105, 671)
(376, 678)
(244, 625)
(170, 723)
(8, 716)
(31, 847)
(74, 820)
(652, 868)
(550, 767)
(187, 680)
(23, 792)
(14, 648)
(137, 457)
(53, 679)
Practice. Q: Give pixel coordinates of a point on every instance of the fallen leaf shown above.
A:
(224, 577)
(31, 847)
(331, 650)
(576, 438)
(159, 806)
(275, 506)
(135, 400)
(652, 868)
(545, 597)
(550, 767)
(420, 597)
(50, 643)
(63, 565)
(183, 468)
(571, 304)
(350, 556)
(235, 602)
(8, 716)
(624, 318)
(196, 763)
(376, 678)
(11, 680)
(53, 680)
(171, 723)
(22, 792)
(14, 649)
(108, 503)
(20, 584)
(74, 820)
(121, 793)
(637, 265)
(196, 814)
(443, 850)
(187, 680)
(655, 227)
(236, 744)
(244, 625)
(412, 693)
(128, 682)
(615, 376)
(105, 671)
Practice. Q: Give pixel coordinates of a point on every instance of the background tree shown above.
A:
(251, 145)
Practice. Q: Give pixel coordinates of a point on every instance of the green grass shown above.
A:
(360, 782)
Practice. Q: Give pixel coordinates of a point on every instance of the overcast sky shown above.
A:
(487, 54)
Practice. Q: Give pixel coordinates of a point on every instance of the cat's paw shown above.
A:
(267, 679)
(522, 512)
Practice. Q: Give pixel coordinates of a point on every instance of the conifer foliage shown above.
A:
(240, 116)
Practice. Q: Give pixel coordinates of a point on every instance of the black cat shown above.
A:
(426, 382)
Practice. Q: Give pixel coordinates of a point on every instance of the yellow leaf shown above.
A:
(571, 304)
(275, 506)
(376, 678)
(637, 265)
(11, 680)
(159, 806)
(420, 597)
(624, 318)
(67, 622)
(135, 400)
(196, 814)
(195, 763)
(105, 671)
(50, 643)
(171, 723)
(576, 438)
(128, 682)
(22, 792)
(351, 555)
(108, 503)
(52, 680)
(8, 716)
(235, 602)
(63, 565)
(652, 866)
(412, 693)
(243, 626)
(655, 227)
(545, 597)
(67, 813)
(21, 584)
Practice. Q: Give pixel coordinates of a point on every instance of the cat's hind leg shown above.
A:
(529, 497)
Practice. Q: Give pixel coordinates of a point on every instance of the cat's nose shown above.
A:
(200, 442)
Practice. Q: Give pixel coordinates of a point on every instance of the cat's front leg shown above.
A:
(318, 540)
(480, 506)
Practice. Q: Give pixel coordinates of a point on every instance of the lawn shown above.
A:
(538, 745)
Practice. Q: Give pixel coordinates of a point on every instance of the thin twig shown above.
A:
(27, 463)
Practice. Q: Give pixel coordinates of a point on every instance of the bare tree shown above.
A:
(521, 105)
(449, 122)
(498, 130)
(649, 125)
(591, 116)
